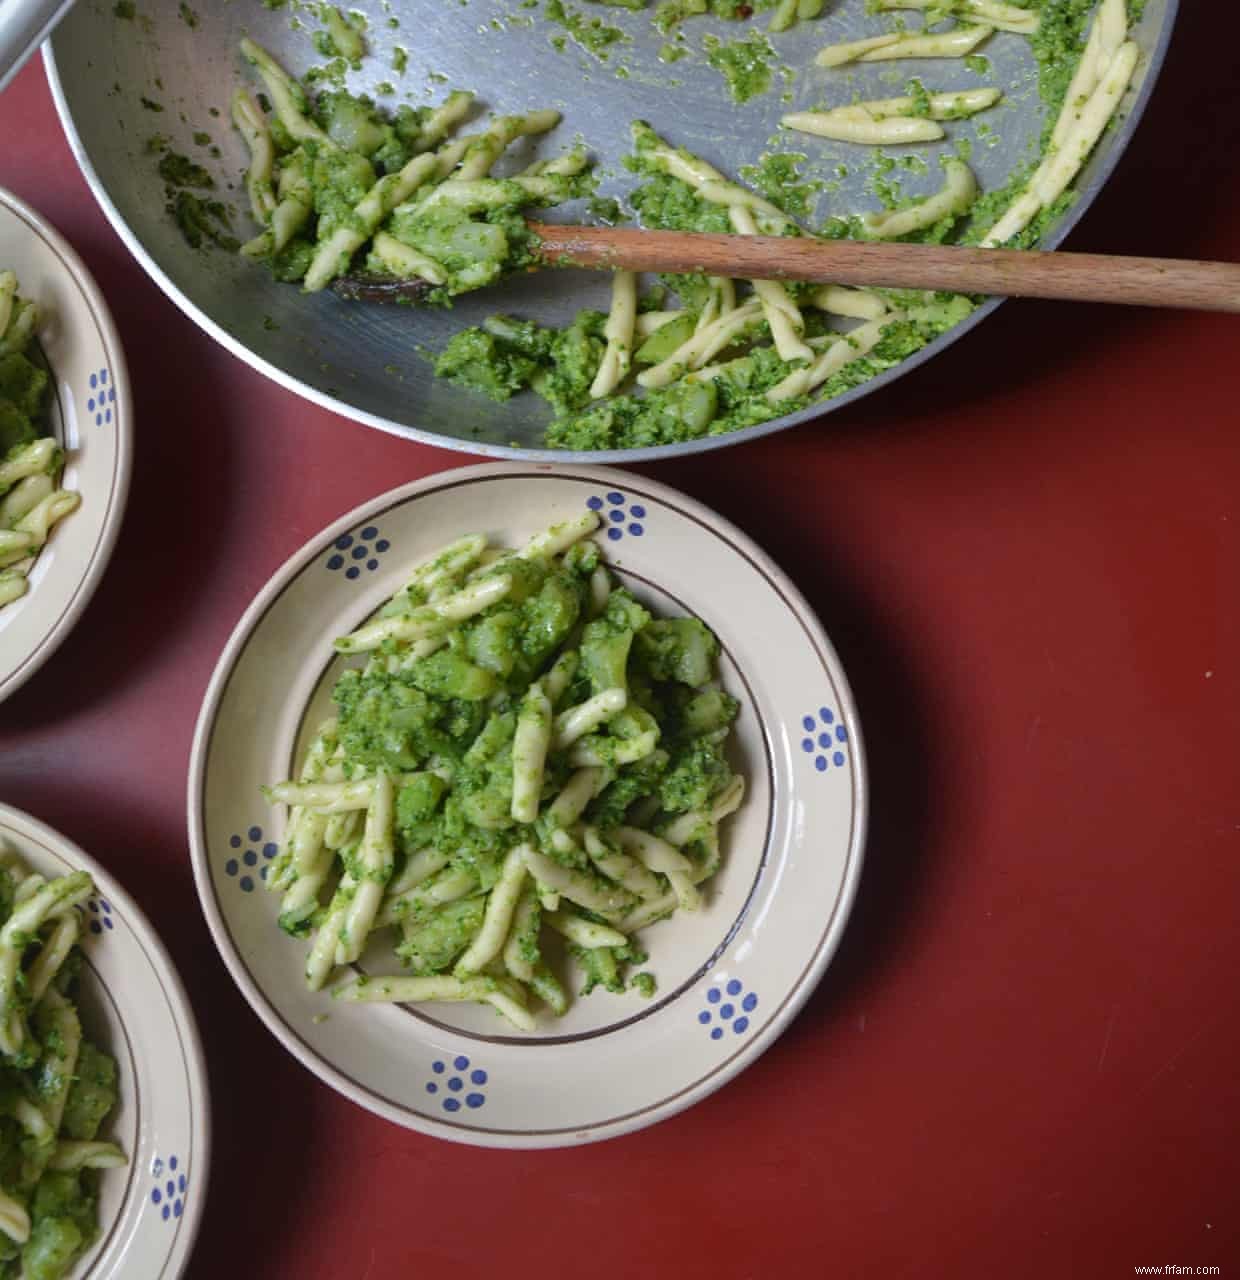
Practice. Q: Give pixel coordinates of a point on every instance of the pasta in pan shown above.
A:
(406, 205)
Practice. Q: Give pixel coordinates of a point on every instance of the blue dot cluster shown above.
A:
(358, 551)
(619, 521)
(170, 1193)
(455, 1084)
(104, 397)
(100, 915)
(250, 858)
(825, 739)
(735, 1010)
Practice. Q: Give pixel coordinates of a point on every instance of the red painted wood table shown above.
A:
(1023, 1061)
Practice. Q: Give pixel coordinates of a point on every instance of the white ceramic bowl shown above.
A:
(91, 417)
(133, 1004)
(730, 977)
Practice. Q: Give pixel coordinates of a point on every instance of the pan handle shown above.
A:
(24, 25)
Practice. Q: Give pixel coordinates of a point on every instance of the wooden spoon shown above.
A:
(1025, 273)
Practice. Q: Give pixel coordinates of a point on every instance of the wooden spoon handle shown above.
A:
(1076, 277)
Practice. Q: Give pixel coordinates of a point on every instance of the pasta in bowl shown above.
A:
(65, 440)
(608, 841)
(104, 1142)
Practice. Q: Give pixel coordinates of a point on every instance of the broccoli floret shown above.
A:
(606, 641)
(576, 353)
(473, 251)
(434, 945)
(697, 773)
(92, 1094)
(16, 428)
(356, 125)
(546, 619)
(476, 848)
(54, 1243)
(418, 799)
(477, 361)
(340, 179)
(492, 642)
(636, 781)
(387, 722)
(23, 384)
(599, 965)
(680, 649)
(445, 674)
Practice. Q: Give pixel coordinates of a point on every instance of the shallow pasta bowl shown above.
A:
(92, 420)
(119, 83)
(730, 977)
(132, 1003)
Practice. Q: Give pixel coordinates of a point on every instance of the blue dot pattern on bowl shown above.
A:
(729, 1007)
(355, 552)
(100, 912)
(826, 739)
(97, 915)
(618, 515)
(101, 402)
(171, 1187)
(250, 856)
(463, 1085)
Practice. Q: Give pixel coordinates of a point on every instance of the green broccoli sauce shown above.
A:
(25, 390)
(745, 64)
(507, 356)
(62, 1205)
(644, 984)
(777, 176)
(180, 171)
(457, 709)
(477, 247)
(203, 223)
(606, 209)
(593, 35)
(669, 13)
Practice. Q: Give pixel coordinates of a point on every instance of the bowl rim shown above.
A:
(254, 994)
(200, 1091)
(1086, 195)
(78, 272)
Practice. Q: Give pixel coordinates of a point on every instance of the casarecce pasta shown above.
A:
(342, 187)
(525, 745)
(58, 1088)
(31, 499)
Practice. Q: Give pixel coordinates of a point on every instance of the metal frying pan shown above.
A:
(109, 74)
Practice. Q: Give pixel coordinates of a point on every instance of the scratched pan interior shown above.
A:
(365, 361)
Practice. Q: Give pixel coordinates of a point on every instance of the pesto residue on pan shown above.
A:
(203, 220)
(593, 35)
(744, 64)
(378, 195)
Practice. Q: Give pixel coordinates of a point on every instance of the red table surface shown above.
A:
(1023, 1061)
